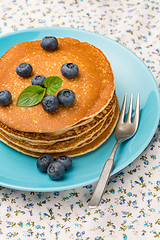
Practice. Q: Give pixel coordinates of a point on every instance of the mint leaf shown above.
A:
(31, 96)
(34, 94)
(52, 83)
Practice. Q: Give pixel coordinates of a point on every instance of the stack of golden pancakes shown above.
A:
(73, 130)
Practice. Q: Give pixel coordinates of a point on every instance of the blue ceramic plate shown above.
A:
(18, 171)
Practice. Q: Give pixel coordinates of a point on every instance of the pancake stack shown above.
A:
(73, 130)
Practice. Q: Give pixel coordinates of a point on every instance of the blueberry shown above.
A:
(69, 70)
(5, 97)
(24, 70)
(66, 161)
(49, 43)
(50, 103)
(66, 97)
(56, 170)
(38, 80)
(44, 161)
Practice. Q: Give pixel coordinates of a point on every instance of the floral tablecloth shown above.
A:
(130, 208)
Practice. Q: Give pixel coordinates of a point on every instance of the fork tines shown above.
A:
(129, 116)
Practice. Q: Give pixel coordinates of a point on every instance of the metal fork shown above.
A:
(123, 131)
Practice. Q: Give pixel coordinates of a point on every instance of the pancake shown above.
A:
(82, 133)
(93, 86)
(64, 145)
(74, 132)
(79, 151)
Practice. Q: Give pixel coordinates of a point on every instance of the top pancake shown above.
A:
(93, 86)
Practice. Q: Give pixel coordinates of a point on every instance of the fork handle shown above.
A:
(103, 180)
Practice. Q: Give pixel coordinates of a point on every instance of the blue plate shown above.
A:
(18, 171)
